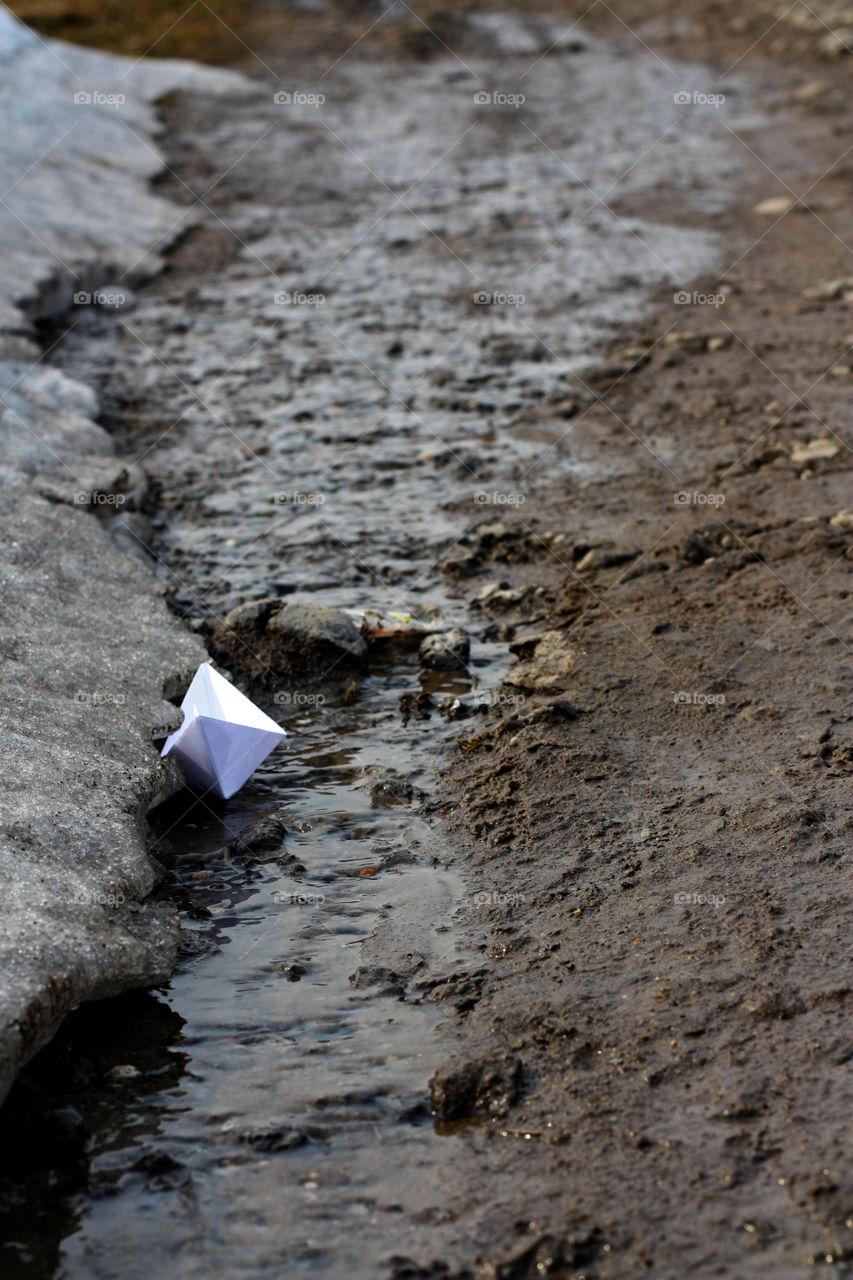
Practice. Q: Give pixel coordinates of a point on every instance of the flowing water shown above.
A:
(368, 349)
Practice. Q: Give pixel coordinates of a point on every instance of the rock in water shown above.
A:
(271, 643)
(445, 651)
(313, 633)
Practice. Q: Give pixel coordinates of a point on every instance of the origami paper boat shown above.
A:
(224, 736)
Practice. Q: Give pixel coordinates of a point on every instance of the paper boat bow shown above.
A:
(224, 736)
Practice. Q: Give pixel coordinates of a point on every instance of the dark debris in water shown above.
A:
(282, 1137)
(402, 1268)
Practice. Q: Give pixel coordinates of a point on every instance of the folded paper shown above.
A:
(224, 736)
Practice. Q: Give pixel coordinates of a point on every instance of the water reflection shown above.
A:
(97, 1095)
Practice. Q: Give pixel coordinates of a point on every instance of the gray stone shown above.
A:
(605, 558)
(309, 628)
(273, 644)
(88, 646)
(88, 649)
(445, 651)
(252, 616)
(496, 597)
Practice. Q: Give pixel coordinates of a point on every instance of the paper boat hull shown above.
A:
(219, 757)
(221, 750)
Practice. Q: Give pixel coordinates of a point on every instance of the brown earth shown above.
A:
(670, 900)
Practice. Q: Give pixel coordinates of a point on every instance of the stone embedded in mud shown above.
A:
(836, 43)
(371, 975)
(551, 665)
(494, 531)
(268, 641)
(461, 566)
(774, 206)
(485, 1087)
(829, 290)
(605, 558)
(814, 450)
(524, 642)
(446, 651)
(559, 712)
(497, 596)
(695, 550)
(254, 614)
(394, 630)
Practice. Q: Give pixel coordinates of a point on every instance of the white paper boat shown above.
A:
(224, 736)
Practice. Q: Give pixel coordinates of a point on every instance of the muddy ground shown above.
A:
(652, 1056)
(670, 957)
